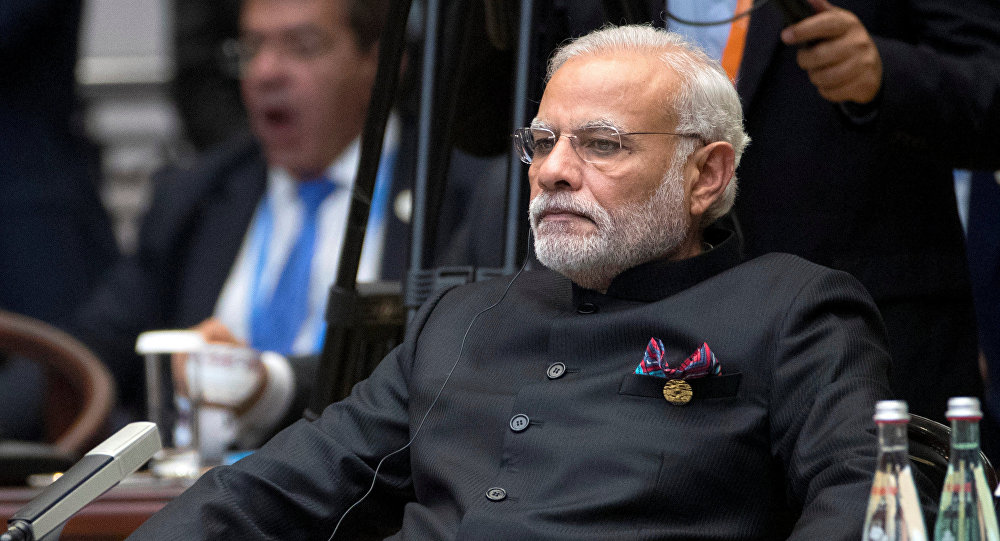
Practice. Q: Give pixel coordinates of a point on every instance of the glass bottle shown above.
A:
(893, 507)
(966, 510)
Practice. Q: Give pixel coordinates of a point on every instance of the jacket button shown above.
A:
(556, 370)
(587, 308)
(496, 494)
(519, 422)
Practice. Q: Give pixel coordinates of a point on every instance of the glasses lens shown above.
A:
(522, 144)
(600, 146)
(540, 142)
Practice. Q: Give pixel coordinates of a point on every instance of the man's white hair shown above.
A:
(706, 103)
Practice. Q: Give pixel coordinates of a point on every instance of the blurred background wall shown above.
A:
(124, 73)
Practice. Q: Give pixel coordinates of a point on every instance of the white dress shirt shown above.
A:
(235, 303)
(710, 38)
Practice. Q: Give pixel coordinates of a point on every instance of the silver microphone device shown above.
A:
(99, 470)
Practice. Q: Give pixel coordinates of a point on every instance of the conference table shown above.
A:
(112, 517)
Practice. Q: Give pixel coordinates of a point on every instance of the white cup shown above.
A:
(194, 393)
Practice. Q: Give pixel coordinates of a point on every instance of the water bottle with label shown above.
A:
(966, 510)
(893, 508)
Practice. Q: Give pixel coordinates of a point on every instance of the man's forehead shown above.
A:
(626, 91)
(296, 30)
(289, 16)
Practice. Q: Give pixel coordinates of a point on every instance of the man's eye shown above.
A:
(544, 145)
(305, 48)
(601, 145)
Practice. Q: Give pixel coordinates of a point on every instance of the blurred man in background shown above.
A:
(250, 235)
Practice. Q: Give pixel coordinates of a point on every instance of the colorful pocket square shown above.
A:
(699, 364)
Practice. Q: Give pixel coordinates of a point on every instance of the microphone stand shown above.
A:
(422, 283)
(342, 303)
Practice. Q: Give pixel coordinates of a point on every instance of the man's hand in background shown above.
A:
(838, 53)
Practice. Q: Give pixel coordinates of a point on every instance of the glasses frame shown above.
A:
(521, 135)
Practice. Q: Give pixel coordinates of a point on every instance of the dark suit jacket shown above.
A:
(190, 238)
(875, 198)
(780, 444)
(984, 261)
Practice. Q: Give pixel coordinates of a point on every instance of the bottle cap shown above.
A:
(891, 411)
(964, 407)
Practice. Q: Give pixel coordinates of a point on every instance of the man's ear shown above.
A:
(709, 170)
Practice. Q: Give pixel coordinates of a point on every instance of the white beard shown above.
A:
(624, 238)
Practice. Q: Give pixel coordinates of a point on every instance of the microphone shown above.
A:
(99, 470)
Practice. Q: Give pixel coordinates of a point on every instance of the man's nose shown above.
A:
(266, 67)
(561, 169)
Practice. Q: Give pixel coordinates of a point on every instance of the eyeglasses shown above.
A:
(600, 146)
(296, 46)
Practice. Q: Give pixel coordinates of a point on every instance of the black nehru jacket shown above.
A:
(543, 431)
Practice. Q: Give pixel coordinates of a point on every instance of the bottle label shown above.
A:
(954, 487)
(882, 490)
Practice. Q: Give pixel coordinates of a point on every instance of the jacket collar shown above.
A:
(659, 279)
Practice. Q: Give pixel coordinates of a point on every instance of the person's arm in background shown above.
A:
(284, 385)
(838, 53)
(936, 91)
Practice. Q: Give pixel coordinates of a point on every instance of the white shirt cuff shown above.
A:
(263, 417)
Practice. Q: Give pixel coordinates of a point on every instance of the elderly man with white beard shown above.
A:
(646, 385)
